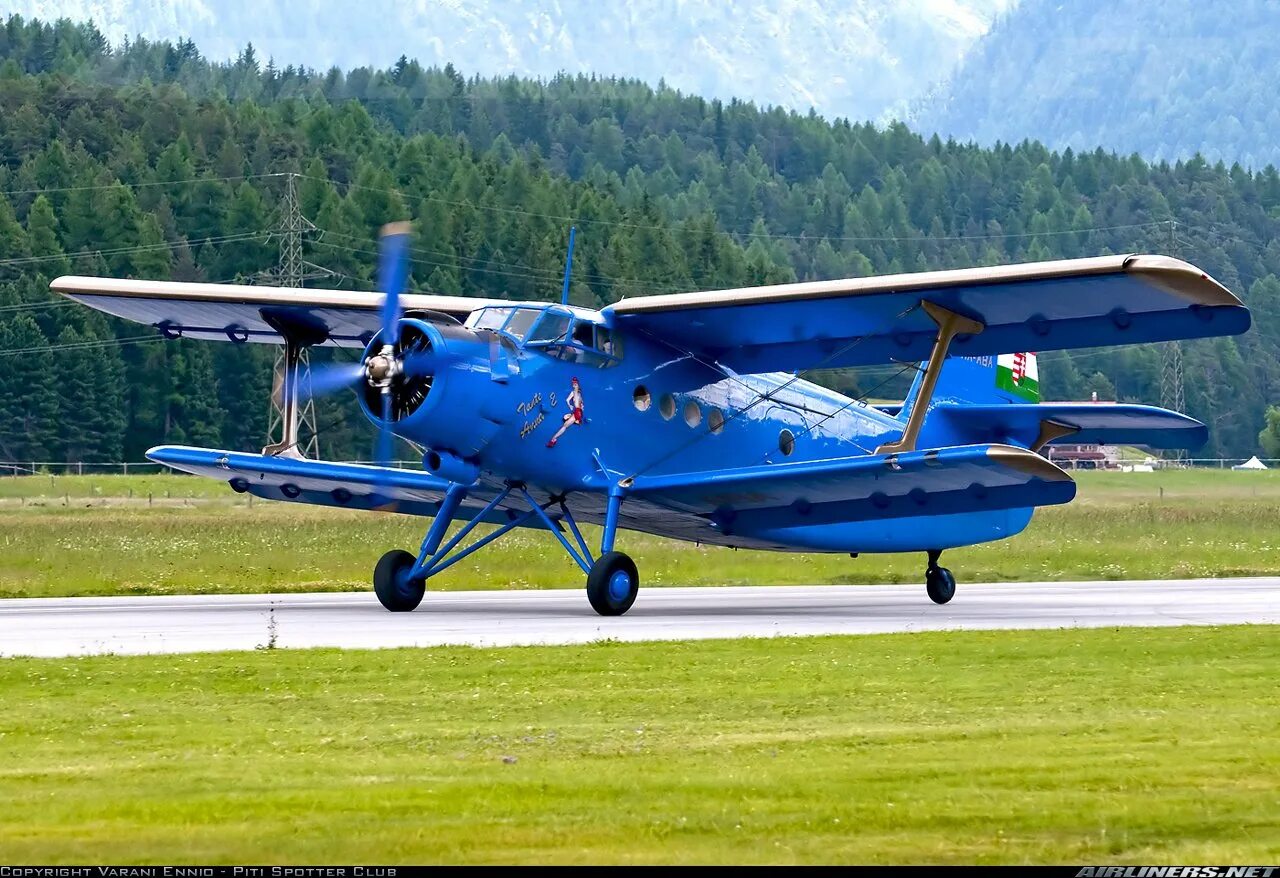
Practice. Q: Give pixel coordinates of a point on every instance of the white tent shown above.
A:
(1251, 463)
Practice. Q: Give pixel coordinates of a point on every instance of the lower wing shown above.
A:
(942, 481)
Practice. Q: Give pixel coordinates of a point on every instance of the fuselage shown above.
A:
(515, 378)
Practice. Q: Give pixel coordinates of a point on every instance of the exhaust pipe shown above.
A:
(450, 467)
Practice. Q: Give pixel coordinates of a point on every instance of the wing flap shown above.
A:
(1088, 424)
(1039, 306)
(972, 478)
(239, 313)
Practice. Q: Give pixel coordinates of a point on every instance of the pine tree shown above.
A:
(28, 401)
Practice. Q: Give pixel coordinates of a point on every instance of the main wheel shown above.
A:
(940, 584)
(612, 584)
(391, 582)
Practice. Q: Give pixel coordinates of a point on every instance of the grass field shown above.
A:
(173, 534)
(1137, 746)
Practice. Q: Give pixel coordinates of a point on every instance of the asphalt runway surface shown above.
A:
(127, 625)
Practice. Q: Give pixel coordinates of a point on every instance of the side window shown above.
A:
(608, 342)
(554, 327)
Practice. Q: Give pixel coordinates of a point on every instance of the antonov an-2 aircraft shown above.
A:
(685, 415)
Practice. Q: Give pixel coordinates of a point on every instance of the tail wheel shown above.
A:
(391, 582)
(612, 584)
(940, 584)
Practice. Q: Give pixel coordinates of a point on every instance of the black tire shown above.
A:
(612, 584)
(395, 590)
(940, 585)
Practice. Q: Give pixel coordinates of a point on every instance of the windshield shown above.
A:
(491, 318)
(520, 322)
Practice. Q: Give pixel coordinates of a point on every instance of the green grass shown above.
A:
(1136, 746)
(85, 535)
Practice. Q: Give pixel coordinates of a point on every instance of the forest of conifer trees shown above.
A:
(147, 160)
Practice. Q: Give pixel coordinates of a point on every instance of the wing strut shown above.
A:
(297, 338)
(950, 324)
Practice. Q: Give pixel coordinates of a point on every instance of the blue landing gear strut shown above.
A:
(612, 581)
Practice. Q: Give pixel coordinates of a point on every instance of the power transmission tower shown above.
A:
(293, 272)
(1172, 389)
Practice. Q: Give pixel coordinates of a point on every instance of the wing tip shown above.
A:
(1182, 279)
(1028, 462)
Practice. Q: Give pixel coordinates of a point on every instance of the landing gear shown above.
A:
(394, 583)
(400, 579)
(938, 581)
(612, 584)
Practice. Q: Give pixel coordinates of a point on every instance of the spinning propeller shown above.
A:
(398, 374)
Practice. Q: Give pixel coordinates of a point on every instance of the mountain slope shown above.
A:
(1162, 80)
(854, 58)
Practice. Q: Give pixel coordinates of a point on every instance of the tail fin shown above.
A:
(1007, 378)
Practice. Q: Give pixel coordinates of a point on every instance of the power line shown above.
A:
(140, 248)
(122, 184)
(82, 345)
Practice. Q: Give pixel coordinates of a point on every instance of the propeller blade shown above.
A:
(331, 378)
(384, 449)
(393, 272)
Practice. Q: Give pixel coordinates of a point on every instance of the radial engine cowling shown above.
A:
(438, 378)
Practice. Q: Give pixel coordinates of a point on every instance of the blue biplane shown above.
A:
(687, 415)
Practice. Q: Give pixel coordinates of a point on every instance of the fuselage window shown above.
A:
(786, 442)
(641, 398)
(715, 420)
(667, 406)
(692, 414)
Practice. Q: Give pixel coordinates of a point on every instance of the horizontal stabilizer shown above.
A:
(1074, 303)
(1073, 423)
(238, 313)
(972, 478)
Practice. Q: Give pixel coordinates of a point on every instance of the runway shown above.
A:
(130, 625)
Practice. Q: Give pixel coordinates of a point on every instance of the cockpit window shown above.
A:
(553, 327)
(607, 342)
(491, 318)
(589, 344)
(520, 322)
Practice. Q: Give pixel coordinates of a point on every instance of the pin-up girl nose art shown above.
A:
(574, 415)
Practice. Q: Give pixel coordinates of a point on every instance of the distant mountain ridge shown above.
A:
(863, 59)
(1164, 80)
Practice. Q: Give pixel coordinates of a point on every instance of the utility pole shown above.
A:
(293, 272)
(1172, 389)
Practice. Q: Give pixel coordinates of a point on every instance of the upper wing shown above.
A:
(231, 312)
(1033, 307)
